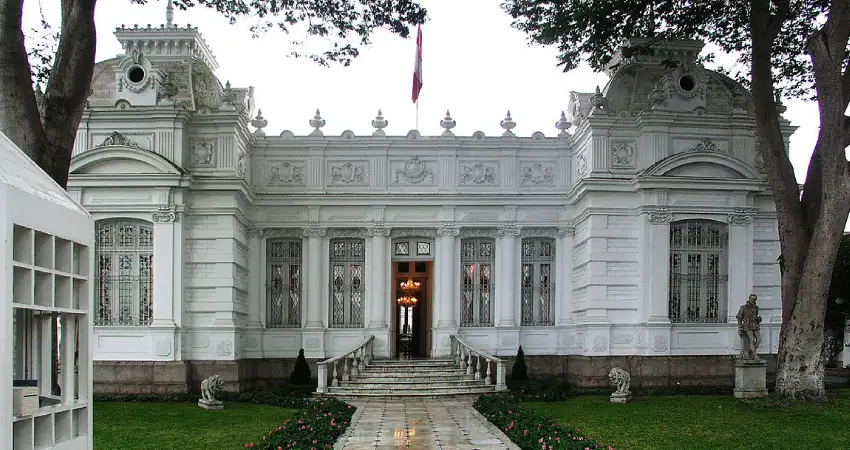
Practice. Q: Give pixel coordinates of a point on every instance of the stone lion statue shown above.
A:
(621, 380)
(210, 387)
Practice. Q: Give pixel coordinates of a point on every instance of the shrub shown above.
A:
(318, 425)
(301, 372)
(529, 429)
(519, 372)
(544, 390)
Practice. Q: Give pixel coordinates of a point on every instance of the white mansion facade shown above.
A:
(637, 230)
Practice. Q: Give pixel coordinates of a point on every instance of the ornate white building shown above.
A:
(636, 231)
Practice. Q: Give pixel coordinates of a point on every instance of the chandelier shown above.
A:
(407, 299)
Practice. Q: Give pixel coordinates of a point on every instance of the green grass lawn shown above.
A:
(706, 422)
(184, 426)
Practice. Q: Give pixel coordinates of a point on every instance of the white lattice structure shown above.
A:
(46, 241)
(634, 231)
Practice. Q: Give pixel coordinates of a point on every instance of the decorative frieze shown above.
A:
(347, 173)
(414, 171)
(739, 219)
(286, 173)
(478, 232)
(622, 155)
(282, 232)
(405, 232)
(347, 233)
(539, 232)
(567, 230)
(660, 216)
(537, 175)
(478, 174)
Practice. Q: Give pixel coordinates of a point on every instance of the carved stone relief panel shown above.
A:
(699, 144)
(581, 165)
(622, 155)
(203, 153)
(241, 163)
(537, 174)
(478, 174)
(286, 173)
(141, 140)
(347, 173)
(413, 171)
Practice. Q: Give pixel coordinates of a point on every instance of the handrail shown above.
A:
(360, 357)
(463, 353)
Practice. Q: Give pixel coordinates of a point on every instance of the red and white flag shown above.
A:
(417, 66)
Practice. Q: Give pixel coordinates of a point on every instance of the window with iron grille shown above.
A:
(283, 257)
(477, 259)
(347, 271)
(698, 275)
(538, 286)
(124, 275)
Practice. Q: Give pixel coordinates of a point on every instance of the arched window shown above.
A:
(538, 284)
(477, 259)
(348, 257)
(698, 275)
(283, 257)
(124, 275)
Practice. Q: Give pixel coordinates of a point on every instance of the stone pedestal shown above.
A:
(210, 404)
(750, 378)
(621, 398)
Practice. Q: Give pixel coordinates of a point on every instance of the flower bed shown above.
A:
(319, 424)
(530, 429)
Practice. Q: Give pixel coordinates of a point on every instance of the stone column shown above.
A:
(379, 268)
(740, 265)
(564, 284)
(256, 288)
(314, 276)
(447, 289)
(508, 274)
(655, 249)
(163, 268)
(445, 261)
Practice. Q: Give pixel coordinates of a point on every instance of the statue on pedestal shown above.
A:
(621, 381)
(749, 329)
(209, 388)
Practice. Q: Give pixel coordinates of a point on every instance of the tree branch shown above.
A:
(19, 116)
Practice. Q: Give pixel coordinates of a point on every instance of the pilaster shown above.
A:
(740, 264)
(564, 280)
(445, 279)
(256, 291)
(163, 268)
(655, 250)
(379, 268)
(507, 300)
(313, 335)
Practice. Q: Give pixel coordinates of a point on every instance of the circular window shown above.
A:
(136, 74)
(687, 83)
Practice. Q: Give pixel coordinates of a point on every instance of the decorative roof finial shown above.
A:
(169, 15)
(563, 125)
(259, 123)
(447, 124)
(507, 124)
(317, 122)
(379, 123)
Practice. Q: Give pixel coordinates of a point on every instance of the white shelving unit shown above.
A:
(47, 248)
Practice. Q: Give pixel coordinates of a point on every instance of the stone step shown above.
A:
(403, 392)
(408, 370)
(410, 385)
(416, 366)
(408, 362)
(369, 377)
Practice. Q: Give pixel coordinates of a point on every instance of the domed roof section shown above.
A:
(195, 85)
(664, 75)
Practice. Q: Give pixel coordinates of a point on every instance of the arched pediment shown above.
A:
(120, 159)
(702, 165)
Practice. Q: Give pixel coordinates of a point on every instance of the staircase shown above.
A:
(412, 378)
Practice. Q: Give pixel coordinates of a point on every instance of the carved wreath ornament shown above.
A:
(347, 173)
(414, 171)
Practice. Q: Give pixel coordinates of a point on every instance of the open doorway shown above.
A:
(411, 296)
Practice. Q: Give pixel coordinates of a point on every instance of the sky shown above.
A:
(474, 64)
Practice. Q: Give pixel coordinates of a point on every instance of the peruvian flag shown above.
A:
(417, 66)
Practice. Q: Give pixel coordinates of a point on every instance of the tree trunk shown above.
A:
(47, 138)
(801, 362)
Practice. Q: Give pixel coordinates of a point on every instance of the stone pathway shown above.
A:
(450, 423)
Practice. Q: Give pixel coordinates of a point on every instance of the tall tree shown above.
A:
(790, 47)
(45, 127)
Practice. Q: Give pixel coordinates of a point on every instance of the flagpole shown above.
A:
(417, 115)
